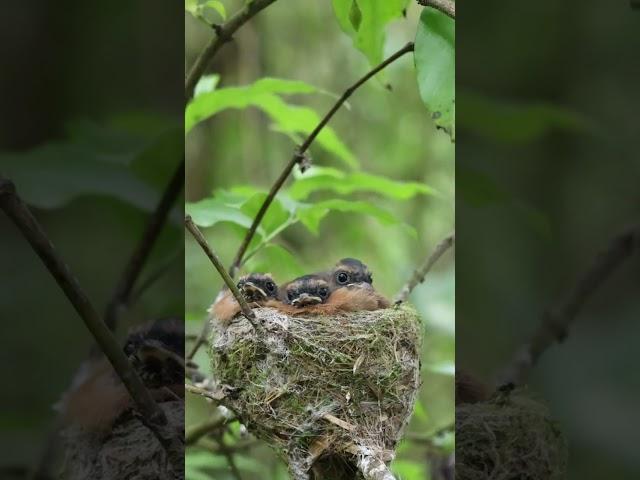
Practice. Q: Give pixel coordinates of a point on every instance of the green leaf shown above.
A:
(408, 469)
(365, 22)
(217, 6)
(210, 211)
(316, 179)
(191, 6)
(53, 175)
(442, 368)
(435, 67)
(312, 214)
(265, 94)
(517, 122)
(276, 260)
(275, 216)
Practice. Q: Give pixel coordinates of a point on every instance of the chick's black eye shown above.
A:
(290, 295)
(239, 285)
(271, 286)
(342, 278)
(324, 291)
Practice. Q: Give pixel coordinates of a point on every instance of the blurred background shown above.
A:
(234, 157)
(548, 171)
(90, 131)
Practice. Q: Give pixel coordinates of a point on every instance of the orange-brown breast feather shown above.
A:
(225, 308)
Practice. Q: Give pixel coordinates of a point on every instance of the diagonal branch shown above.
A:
(298, 156)
(123, 292)
(154, 417)
(420, 274)
(224, 33)
(445, 6)
(197, 234)
(556, 321)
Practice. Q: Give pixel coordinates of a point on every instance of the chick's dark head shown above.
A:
(258, 287)
(307, 290)
(350, 271)
(157, 352)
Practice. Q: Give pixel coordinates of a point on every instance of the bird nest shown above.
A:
(509, 436)
(130, 451)
(315, 387)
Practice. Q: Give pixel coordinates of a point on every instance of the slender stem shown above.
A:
(556, 321)
(197, 234)
(154, 417)
(445, 6)
(196, 433)
(420, 274)
(298, 155)
(124, 289)
(224, 33)
(203, 393)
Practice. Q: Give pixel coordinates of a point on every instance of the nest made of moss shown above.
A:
(511, 437)
(315, 386)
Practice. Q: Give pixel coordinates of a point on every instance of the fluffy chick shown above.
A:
(97, 397)
(257, 288)
(353, 290)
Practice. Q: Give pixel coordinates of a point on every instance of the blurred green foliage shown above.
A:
(380, 188)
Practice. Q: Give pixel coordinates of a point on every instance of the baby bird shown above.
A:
(257, 288)
(305, 294)
(97, 397)
(353, 287)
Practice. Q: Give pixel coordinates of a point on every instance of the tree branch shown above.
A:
(154, 417)
(556, 321)
(224, 33)
(445, 6)
(197, 234)
(299, 156)
(214, 397)
(124, 288)
(420, 274)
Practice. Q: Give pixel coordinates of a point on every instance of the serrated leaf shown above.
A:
(342, 183)
(367, 28)
(435, 67)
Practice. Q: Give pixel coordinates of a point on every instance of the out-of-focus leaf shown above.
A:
(435, 67)
(443, 368)
(365, 22)
(55, 174)
(275, 216)
(276, 260)
(265, 95)
(517, 122)
(217, 6)
(210, 211)
(419, 411)
(312, 214)
(339, 182)
(409, 470)
(206, 84)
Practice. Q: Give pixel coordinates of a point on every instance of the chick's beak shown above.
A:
(152, 350)
(250, 289)
(305, 299)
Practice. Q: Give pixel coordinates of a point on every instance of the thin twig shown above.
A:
(124, 289)
(203, 393)
(155, 418)
(197, 234)
(202, 338)
(556, 321)
(224, 33)
(420, 274)
(203, 429)
(445, 6)
(299, 156)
